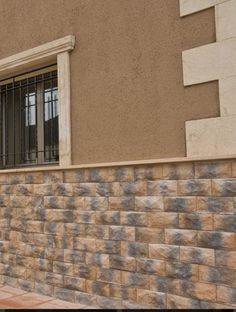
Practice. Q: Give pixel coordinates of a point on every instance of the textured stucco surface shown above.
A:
(128, 99)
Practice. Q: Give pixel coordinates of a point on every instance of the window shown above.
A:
(32, 131)
(29, 119)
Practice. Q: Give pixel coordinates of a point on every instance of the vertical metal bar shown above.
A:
(52, 123)
(21, 128)
(14, 123)
(40, 121)
(27, 97)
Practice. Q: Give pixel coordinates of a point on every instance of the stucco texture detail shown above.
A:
(127, 94)
(158, 236)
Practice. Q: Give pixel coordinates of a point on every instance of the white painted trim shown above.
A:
(43, 53)
(54, 51)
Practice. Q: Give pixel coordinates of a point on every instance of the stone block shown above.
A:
(123, 263)
(121, 203)
(54, 202)
(26, 285)
(226, 259)
(84, 189)
(137, 188)
(123, 292)
(64, 294)
(74, 229)
(104, 189)
(86, 299)
(97, 259)
(16, 178)
(87, 217)
(59, 215)
(163, 220)
(75, 283)
(54, 279)
(108, 217)
(163, 252)
(226, 295)
(162, 188)
(85, 271)
(85, 244)
(133, 218)
(74, 203)
(224, 187)
(196, 221)
(180, 204)
(136, 280)
(54, 254)
(134, 249)
(213, 170)
(51, 177)
(44, 289)
(149, 203)
(34, 178)
(25, 190)
(219, 205)
(53, 227)
(62, 268)
(63, 241)
(216, 240)
(63, 189)
(225, 223)
(98, 288)
(97, 231)
(76, 176)
(177, 302)
(42, 189)
(197, 255)
(103, 174)
(219, 275)
(108, 303)
(109, 276)
(124, 174)
(151, 298)
(148, 172)
(194, 187)
(120, 233)
(96, 203)
(108, 246)
(42, 265)
(181, 237)
(150, 266)
(74, 256)
(178, 171)
(182, 271)
(34, 227)
(149, 235)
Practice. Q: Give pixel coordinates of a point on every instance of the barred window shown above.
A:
(29, 119)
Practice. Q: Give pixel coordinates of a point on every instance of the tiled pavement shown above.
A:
(14, 298)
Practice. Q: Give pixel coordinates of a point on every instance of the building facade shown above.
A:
(118, 171)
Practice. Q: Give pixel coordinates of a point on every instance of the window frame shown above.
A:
(57, 51)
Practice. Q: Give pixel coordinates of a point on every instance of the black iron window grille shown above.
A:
(29, 119)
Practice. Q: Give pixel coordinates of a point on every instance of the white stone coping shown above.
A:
(119, 164)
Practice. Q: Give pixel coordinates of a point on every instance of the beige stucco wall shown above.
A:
(128, 99)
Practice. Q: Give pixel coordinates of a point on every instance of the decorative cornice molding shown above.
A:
(44, 51)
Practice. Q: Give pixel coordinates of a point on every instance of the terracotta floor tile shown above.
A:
(18, 301)
(4, 295)
(35, 296)
(13, 291)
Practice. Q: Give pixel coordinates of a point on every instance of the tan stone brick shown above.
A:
(54, 279)
(108, 246)
(63, 241)
(225, 223)
(64, 294)
(43, 265)
(197, 255)
(4, 200)
(213, 169)
(59, 215)
(97, 259)
(226, 295)
(218, 275)
(75, 283)
(138, 188)
(43, 189)
(19, 201)
(136, 280)
(86, 299)
(219, 205)
(149, 203)
(182, 271)
(44, 289)
(4, 178)
(148, 172)
(51, 177)
(116, 189)
(134, 249)
(96, 203)
(109, 303)
(53, 227)
(216, 240)
(151, 298)
(121, 203)
(226, 258)
(163, 219)
(108, 217)
(150, 266)
(103, 174)
(123, 263)
(181, 237)
(162, 188)
(75, 229)
(124, 174)
(62, 268)
(76, 176)
(120, 233)
(63, 189)
(163, 252)
(177, 302)
(16, 178)
(196, 221)
(149, 235)
(34, 227)
(74, 203)
(85, 217)
(180, 204)
(109, 275)
(54, 202)
(123, 292)
(25, 285)
(74, 256)
(34, 178)
(194, 187)
(85, 271)
(97, 231)
(54, 254)
(98, 288)
(84, 189)
(178, 171)
(7, 189)
(224, 187)
(133, 218)
(25, 190)
(85, 244)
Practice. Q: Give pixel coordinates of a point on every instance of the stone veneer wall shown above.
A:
(152, 236)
